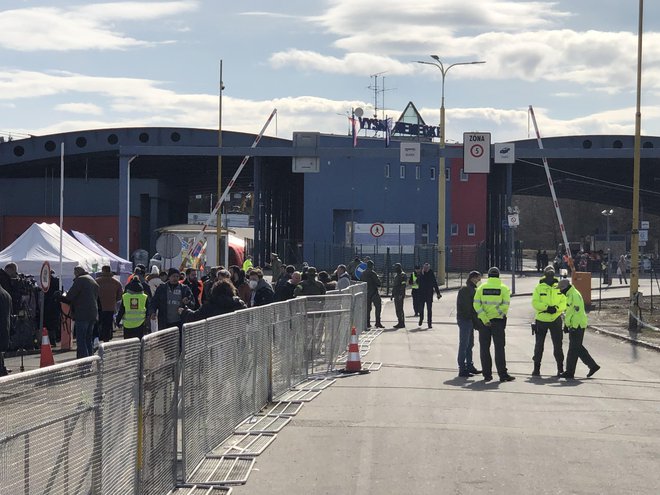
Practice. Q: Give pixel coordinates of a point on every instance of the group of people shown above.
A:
(484, 307)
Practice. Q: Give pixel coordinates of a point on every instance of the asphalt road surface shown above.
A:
(414, 427)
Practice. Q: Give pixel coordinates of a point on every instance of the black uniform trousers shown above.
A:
(137, 332)
(428, 302)
(373, 300)
(398, 308)
(106, 326)
(556, 335)
(495, 332)
(415, 301)
(577, 350)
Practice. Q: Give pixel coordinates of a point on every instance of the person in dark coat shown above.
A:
(222, 300)
(5, 322)
(286, 292)
(167, 300)
(373, 297)
(261, 291)
(427, 285)
(83, 297)
(53, 310)
(399, 294)
(110, 292)
(195, 286)
(310, 286)
(468, 322)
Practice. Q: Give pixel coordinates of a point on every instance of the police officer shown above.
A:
(549, 304)
(575, 323)
(373, 296)
(491, 302)
(414, 289)
(398, 294)
(133, 310)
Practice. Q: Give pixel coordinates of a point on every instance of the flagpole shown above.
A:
(61, 207)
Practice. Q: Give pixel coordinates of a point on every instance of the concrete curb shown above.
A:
(641, 343)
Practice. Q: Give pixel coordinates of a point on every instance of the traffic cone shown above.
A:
(47, 358)
(353, 363)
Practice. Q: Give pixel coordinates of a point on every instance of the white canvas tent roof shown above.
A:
(41, 242)
(118, 264)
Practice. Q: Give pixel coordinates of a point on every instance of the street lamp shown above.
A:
(441, 168)
(607, 214)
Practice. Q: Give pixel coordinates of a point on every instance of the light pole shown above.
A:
(607, 214)
(441, 167)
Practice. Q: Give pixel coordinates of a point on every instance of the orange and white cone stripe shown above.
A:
(353, 363)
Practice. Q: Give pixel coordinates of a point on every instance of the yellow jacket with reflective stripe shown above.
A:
(135, 309)
(548, 295)
(576, 316)
(413, 279)
(491, 300)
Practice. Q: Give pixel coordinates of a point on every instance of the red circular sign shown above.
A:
(476, 150)
(44, 276)
(377, 230)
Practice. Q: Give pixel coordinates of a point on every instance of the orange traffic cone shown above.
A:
(353, 362)
(47, 358)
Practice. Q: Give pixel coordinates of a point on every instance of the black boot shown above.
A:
(537, 370)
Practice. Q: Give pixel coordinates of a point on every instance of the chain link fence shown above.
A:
(108, 424)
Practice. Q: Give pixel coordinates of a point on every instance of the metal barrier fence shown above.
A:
(49, 432)
(159, 412)
(108, 424)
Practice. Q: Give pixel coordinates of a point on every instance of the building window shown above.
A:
(471, 229)
(448, 174)
(425, 233)
(454, 229)
(464, 176)
(387, 170)
(432, 173)
(418, 172)
(402, 172)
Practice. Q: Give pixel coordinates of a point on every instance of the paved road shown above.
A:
(414, 427)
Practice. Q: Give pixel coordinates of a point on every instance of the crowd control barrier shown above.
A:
(109, 424)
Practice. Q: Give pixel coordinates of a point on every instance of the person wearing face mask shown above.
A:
(575, 323)
(261, 291)
(399, 294)
(549, 304)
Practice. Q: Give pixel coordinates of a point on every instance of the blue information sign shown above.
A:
(360, 268)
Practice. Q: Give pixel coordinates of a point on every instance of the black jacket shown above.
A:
(427, 284)
(214, 307)
(159, 302)
(373, 281)
(5, 319)
(284, 292)
(464, 308)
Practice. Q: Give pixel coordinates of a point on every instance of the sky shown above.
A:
(70, 65)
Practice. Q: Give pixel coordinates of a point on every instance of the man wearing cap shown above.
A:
(167, 300)
(549, 304)
(398, 294)
(373, 297)
(467, 320)
(491, 303)
(575, 323)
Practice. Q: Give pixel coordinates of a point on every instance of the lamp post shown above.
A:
(607, 214)
(441, 167)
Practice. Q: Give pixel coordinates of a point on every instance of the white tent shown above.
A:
(118, 264)
(41, 242)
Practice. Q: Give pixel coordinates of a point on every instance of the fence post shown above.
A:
(387, 271)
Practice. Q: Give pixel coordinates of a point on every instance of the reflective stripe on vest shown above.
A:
(135, 307)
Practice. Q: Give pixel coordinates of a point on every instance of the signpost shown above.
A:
(44, 281)
(476, 152)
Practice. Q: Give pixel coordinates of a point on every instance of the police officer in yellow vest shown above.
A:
(491, 302)
(549, 304)
(133, 310)
(575, 323)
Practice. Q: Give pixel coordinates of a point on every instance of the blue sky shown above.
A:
(69, 65)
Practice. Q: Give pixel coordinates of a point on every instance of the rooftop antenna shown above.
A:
(379, 90)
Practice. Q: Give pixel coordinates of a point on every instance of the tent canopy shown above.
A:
(118, 264)
(41, 242)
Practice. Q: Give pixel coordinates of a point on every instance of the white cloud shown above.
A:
(88, 27)
(83, 108)
(352, 63)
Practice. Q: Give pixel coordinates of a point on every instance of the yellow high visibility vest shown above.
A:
(135, 307)
(414, 285)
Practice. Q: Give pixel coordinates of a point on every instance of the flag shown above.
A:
(389, 123)
(354, 130)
